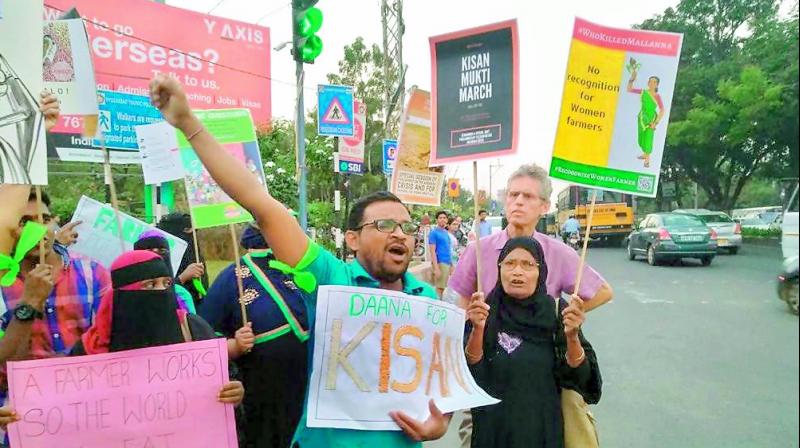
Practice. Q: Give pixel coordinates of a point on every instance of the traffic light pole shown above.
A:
(300, 131)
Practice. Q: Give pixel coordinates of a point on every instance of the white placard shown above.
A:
(158, 147)
(23, 150)
(67, 66)
(98, 233)
(377, 351)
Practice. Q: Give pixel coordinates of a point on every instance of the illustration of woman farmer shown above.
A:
(651, 111)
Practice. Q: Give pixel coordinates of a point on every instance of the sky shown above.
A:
(544, 34)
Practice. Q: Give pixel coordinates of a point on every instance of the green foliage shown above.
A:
(276, 145)
(320, 214)
(761, 233)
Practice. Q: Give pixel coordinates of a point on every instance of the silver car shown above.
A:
(729, 233)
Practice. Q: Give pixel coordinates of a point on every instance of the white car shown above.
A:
(729, 233)
(764, 221)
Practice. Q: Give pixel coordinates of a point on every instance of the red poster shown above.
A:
(222, 63)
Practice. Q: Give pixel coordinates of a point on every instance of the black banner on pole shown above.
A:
(475, 97)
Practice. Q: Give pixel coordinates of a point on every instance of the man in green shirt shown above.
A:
(380, 232)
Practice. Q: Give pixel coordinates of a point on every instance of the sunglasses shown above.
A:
(390, 225)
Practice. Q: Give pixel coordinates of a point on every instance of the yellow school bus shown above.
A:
(547, 224)
(613, 212)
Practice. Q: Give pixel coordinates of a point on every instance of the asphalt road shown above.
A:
(694, 356)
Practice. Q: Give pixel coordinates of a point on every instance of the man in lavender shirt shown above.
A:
(528, 199)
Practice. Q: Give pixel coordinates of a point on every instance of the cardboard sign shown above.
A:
(475, 93)
(23, 156)
(412, 181)
(156, 397)
(68, 71)
(158, 148)
(209, 205)
(98, 233)
(377, 351)
(615, 109)
(222, 63)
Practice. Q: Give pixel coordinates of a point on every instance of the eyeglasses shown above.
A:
(510, 265)
(390, 225)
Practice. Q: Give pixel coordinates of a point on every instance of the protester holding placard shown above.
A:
(271, 350)
(528, 199)
(191, 274)
(549, 352)
(380, 232)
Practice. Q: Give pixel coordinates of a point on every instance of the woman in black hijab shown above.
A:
(523, 350)
(192, 275)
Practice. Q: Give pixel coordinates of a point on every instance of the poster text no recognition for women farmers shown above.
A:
(475, 105)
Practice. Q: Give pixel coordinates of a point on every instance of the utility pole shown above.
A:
(306, 46)
(498, 165)
(393, 68)
(300, 130)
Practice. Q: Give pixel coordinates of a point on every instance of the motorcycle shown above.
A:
(574, 240)
(788, 283)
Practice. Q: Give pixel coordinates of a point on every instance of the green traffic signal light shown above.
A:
(307, 21)
(310, 22)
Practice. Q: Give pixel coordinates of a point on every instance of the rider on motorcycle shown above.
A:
(572, 225)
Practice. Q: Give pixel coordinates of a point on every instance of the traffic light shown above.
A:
(306, 21)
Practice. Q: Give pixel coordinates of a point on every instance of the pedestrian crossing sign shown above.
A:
(335, 111)
(104, 121)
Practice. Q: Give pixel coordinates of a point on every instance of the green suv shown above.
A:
(672, 236)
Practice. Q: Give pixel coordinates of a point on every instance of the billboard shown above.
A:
(222, 63)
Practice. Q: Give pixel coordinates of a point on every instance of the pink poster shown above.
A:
(158, 397)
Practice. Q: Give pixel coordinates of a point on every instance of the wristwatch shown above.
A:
(27, 313)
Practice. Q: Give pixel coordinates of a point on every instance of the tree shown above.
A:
(735, 101)
(276, 145)
(358, 69)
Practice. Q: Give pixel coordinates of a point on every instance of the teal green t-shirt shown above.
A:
(329, 270)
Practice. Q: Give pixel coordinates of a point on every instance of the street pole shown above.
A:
(491, 192)
(300, 131)
(695, 195)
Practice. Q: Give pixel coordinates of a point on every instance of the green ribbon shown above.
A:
(198, 285)
(304, 280)
(32, 233)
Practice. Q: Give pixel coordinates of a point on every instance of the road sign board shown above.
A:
(335, 111)
(389, 156)
(346, 166)
(453, 188)
(352, 148)
(120, 113)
